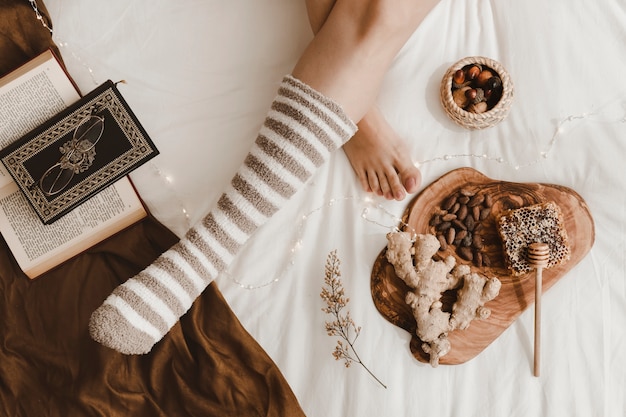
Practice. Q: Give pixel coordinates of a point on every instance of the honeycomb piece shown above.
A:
(520, 227)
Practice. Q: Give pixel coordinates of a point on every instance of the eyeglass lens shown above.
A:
(85, 137)
(89, 132)
(55, 179)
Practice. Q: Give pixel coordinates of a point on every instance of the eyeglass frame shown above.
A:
(68, 161)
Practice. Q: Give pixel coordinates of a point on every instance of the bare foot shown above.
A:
(381, 160)
(377, 154)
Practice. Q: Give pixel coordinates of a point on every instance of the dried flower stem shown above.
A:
(342, 326)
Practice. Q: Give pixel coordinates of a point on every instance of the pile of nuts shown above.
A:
(476, 88)
(459, 220)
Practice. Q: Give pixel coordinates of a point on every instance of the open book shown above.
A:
(29, 96)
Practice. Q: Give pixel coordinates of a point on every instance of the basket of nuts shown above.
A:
(476, 92)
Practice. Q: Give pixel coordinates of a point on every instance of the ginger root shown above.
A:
(471, 299)
(428, 279)
(400, 252)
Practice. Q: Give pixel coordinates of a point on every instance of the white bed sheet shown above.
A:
(200, 76)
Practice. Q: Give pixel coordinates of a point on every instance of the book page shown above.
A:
(38, 247)
(31, 98)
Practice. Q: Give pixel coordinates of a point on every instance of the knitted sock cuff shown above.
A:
(301, 130)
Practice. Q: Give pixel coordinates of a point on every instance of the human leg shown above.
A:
(379, 157)
(302, 128)
(305, 124)
(349, 55)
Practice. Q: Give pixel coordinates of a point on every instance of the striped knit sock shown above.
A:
(300, 132)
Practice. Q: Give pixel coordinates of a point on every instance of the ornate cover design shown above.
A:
(123, 146)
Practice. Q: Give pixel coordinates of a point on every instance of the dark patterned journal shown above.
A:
(78, 152)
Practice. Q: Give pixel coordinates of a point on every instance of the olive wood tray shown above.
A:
(517, 292)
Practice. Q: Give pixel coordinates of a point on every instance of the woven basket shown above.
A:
(468, 119)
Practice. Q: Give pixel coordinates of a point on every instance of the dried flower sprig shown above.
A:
(342, 326)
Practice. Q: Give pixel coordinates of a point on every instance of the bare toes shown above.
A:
(396, 186)
(411, 179)
(374, 184)
(364, 180)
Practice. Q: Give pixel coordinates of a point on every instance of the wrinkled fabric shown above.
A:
(208, 365)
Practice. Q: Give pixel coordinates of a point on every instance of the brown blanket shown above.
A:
(208, 365)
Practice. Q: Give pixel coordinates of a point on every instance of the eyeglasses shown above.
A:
(78, 155)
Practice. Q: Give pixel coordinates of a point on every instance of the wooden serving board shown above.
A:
(517, 292)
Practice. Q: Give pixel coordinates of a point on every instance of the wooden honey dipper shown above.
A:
(538, 256)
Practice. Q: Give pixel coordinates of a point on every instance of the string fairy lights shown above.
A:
(297, 243)
(543, 154)
(396, 222)
(366, 204)
(169, 182)
(65, 48)
(167, 179)
(39, 16)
